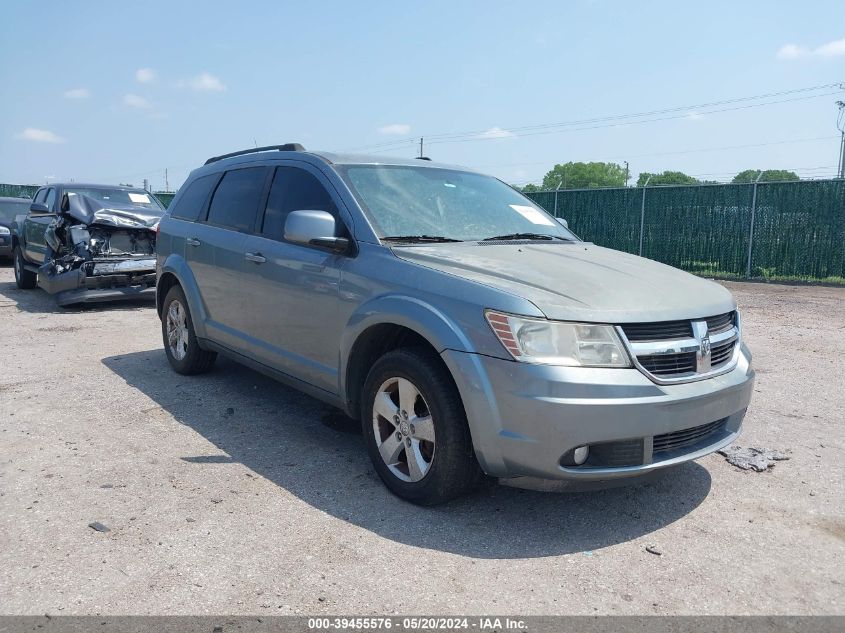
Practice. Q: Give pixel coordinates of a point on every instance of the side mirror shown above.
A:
(314, 228)
(563, 222)
(39, 209)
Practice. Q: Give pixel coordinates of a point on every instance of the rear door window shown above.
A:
(293, 189)
(235, 202)
(192, 203)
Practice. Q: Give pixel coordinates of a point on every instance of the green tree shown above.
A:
(666, 178)
(584, 176)
(529, 188)
(769, 175)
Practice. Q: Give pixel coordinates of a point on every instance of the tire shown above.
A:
(442, 467)
(185, 354)
(25, 279)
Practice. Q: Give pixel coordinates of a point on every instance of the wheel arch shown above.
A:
(389, 323)
(175, 271)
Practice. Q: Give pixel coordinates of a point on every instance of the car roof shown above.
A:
(91, 185)
(331, 158)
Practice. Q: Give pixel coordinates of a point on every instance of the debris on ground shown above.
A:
(651, 549)
(96, 525)
(752, 457)
(230, 411)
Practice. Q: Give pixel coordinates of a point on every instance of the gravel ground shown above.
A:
(229, 493)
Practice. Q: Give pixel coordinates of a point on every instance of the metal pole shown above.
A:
(642, 216)
(751, 228)
(842, 157)
(556, 190)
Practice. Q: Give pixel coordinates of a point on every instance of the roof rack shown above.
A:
(287, 147)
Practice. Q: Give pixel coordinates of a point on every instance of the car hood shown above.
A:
(579, 281)
(90, 211)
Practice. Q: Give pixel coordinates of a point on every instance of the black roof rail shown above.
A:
(287, 147)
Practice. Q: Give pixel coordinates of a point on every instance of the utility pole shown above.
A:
(421, 147)
(626, 173)
(166, 181)
(146, 185)
(840, 124)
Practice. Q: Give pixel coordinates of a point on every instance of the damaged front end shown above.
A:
(99, 253)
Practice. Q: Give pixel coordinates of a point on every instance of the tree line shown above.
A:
(577, 175)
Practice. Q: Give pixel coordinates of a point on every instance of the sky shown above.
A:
(117, 92)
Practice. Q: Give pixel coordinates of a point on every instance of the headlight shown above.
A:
(4, 230)
(558, 343)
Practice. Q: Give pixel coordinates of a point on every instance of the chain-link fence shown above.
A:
(787, 231)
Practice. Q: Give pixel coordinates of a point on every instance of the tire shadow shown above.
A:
(317, 454)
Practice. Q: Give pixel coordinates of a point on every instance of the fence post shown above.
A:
(556, 190)
(642, 216)
(751, 227)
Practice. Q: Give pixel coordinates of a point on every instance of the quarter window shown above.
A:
(192, 202)
(293, 189)
(235, 202)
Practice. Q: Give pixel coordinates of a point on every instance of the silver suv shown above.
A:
(467, 329)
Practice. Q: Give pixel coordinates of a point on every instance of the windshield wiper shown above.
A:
(419, 238)
(525, 236)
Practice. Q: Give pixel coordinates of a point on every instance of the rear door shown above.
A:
(294, 322)
(35, 246)
(215, 251)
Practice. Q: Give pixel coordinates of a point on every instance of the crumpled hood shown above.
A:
(90, 211)
(579, 281)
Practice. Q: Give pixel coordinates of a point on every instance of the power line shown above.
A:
(686, 151)
(515, 131)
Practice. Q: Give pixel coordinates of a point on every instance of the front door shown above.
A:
(295, 324)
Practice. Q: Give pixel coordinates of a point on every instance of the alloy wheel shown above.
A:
(403, 429)
(177, 330)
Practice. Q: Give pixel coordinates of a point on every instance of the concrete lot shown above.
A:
(229, 493)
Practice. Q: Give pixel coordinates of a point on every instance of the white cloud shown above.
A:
(830, 49)
(77, 93)
(39, 136)
(206, 82)
(395, 128)
(134, 101)
(145, 75)
(496, 132)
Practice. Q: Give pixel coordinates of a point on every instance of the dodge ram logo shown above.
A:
(704, 347)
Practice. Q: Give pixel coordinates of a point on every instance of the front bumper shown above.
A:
(526, 419)
(106, 280)
(5, 246)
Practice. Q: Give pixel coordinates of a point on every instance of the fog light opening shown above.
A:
(580, 454)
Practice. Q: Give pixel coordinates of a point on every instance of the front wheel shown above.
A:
(416, 429)
(180, 340)
(25, 279)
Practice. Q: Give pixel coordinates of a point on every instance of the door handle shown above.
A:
(192, 241)
(257, 258)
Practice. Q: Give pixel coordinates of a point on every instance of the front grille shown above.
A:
(721, 354)
(669, 364)
(668, 350)
(657, 331)
(686, 438)
(721, 323)
(616, 454)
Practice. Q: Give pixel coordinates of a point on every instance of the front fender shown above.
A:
(176, 265)
(396, 309)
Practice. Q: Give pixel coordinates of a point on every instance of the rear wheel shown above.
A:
(25, 279)
(180, 340)
(416, 429)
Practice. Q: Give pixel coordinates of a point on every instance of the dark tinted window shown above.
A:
(40, 195)
(293, 189)
(235, 202)
(192, 202)
(51, 198)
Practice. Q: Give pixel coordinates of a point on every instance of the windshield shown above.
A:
(123, 197)
(10, 208)
(456, 205)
